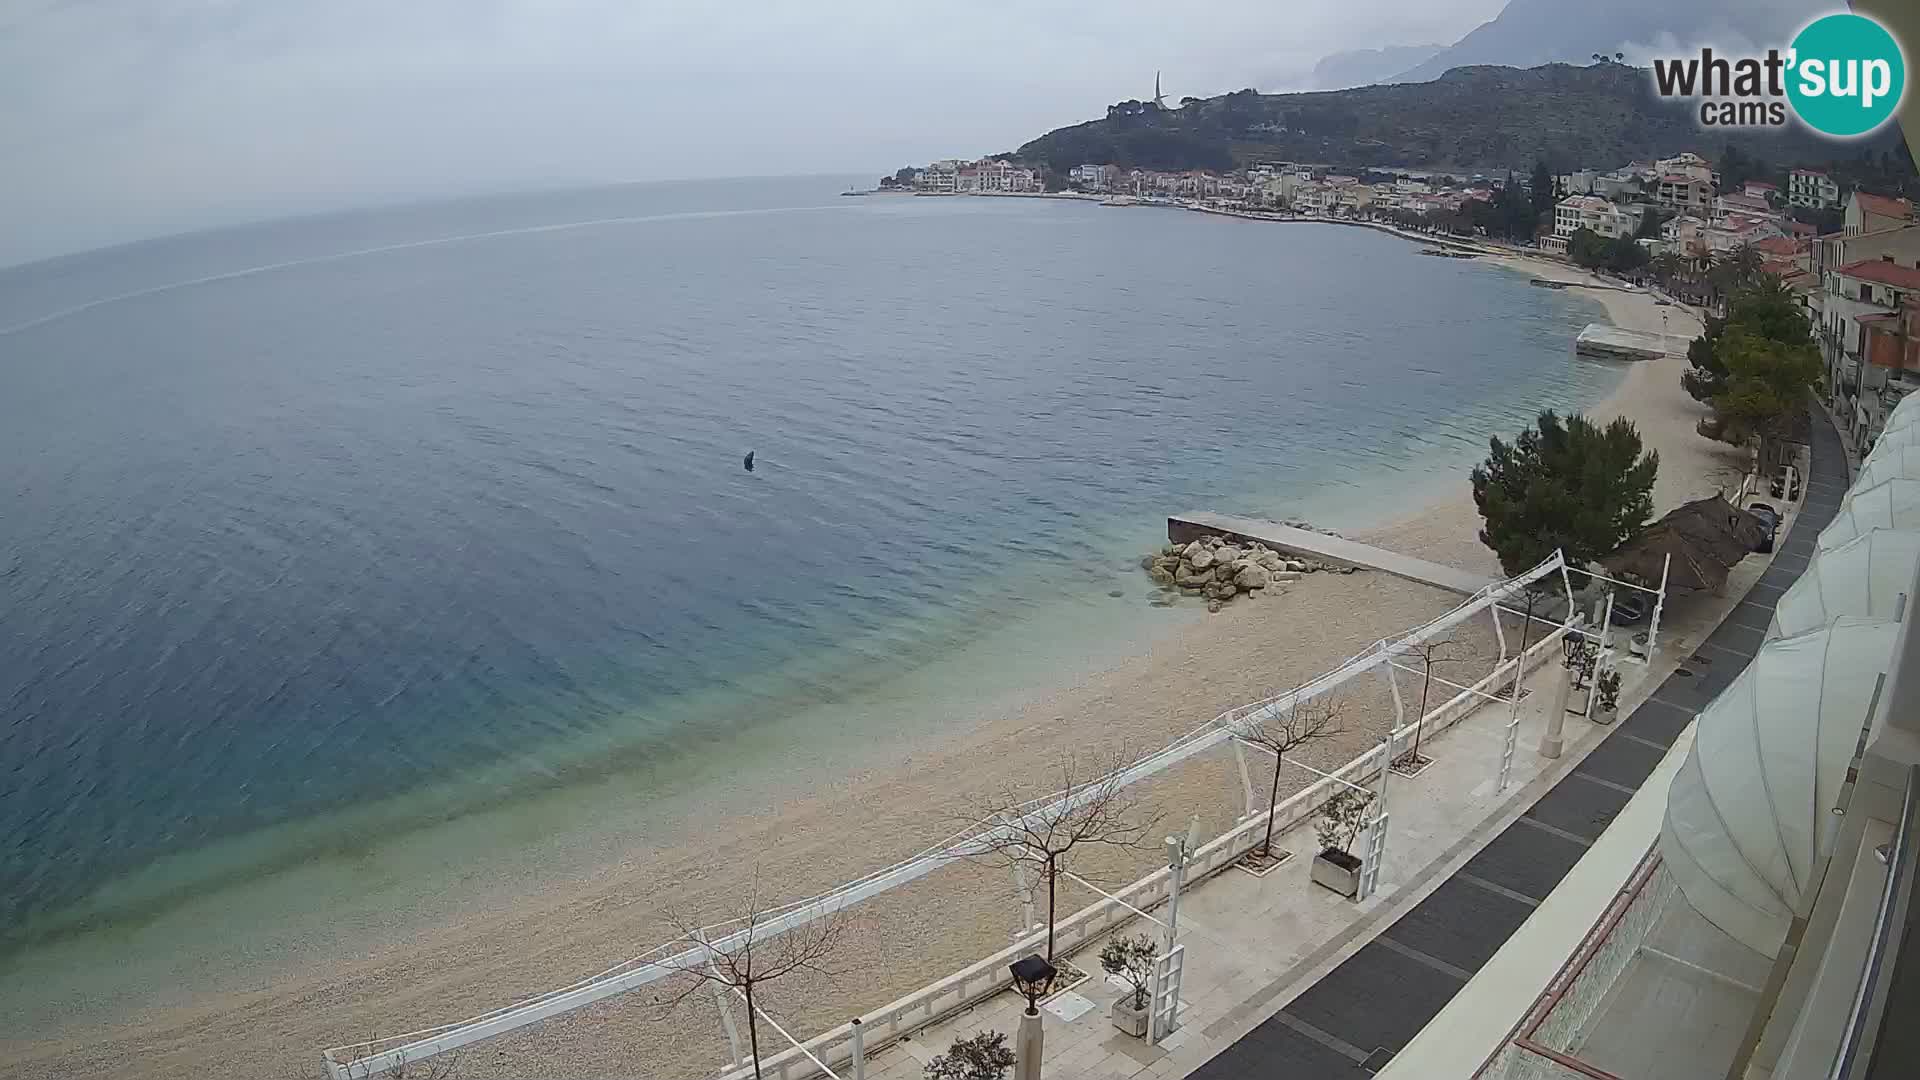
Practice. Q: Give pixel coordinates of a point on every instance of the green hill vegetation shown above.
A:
(1472, 119)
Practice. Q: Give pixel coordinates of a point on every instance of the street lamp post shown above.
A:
(1179, 850)
(1032, 977)
(1554, 741)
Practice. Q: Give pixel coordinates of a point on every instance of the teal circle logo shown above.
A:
(1848, 75)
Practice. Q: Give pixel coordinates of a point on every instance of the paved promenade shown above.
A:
(1285, 979)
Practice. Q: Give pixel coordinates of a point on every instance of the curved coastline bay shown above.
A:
(323, 531)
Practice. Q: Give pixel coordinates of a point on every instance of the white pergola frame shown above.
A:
(372, 1058)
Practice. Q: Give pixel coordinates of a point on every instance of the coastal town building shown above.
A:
(1812, 188)
(1893, 341)
(1868, 213)
(952, 177)
(1684, 193)
(1591, 212)
(1858, 296)
(1092, 177)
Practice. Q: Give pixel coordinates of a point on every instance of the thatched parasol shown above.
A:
(1706, 538)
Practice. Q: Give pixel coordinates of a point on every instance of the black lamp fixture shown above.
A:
(1574, 645)
(1033, 977)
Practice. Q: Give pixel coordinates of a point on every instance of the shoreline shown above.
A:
(487, 954)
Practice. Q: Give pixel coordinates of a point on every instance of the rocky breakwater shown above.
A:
(1220, 569)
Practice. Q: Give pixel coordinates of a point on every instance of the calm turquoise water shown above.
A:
(409, 512)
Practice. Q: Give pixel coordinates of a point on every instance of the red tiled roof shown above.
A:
(1761, 184)
(1882, 206)
(1883, 272)
(1777, 245)
(1801, 228)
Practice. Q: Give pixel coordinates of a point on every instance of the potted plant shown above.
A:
(981, 1056)
(1606, 701)
(1132, 960)
(1341, 818)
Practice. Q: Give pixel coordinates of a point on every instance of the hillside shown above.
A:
(1471, 119)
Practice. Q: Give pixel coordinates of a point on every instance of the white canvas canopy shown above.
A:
(1909, 435)
(1864, 576)
(1748, 814)
(1894, 504)
(1889, 463)
(1906, 414)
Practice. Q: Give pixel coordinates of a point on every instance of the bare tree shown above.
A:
(1090, 808)
(439, 1068)
(1281, 733)
(1445, 650)
(760, 955)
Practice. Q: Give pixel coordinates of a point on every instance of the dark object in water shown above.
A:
(749, 461)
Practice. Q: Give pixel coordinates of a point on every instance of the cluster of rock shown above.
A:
(1220, 569)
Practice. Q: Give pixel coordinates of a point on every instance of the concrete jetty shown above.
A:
(1321, 548)
(1603, 342)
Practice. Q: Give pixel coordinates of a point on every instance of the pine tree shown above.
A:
(1568, 485)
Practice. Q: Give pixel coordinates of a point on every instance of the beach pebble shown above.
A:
(1214, 606)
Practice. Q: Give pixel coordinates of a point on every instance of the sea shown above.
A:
(324, 534)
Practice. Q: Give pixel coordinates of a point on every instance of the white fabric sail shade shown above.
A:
(1864, 576)
(1894, 504)
(1748, 814)
(1888, 463)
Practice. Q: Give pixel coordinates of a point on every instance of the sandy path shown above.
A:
(806, 845)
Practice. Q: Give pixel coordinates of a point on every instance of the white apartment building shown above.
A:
(1811, 187)
(1578, 212)
(1092, 177)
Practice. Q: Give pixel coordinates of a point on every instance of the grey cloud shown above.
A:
(129, 118)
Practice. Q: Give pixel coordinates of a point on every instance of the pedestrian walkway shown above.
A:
(1352, 1021)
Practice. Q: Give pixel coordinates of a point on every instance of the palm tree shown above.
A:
(1744, 264)
(1667, 267)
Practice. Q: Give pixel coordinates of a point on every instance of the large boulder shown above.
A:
(1199, 556)
(1271, 560)
(1187, 576)
(1228, 554)
(1160, 575)
(1251, 577)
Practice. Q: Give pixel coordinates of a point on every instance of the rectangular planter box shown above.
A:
(1132, 1021)
(1338, 871)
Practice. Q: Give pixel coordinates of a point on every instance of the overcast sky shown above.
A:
(131, 118)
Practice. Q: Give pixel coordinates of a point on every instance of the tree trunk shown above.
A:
(753, 1030)
(1273, 805)
(1419, 720)
(1050, 876)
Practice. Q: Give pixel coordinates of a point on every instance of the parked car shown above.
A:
(1771, 519)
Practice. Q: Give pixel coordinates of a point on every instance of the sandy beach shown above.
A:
(793, 846)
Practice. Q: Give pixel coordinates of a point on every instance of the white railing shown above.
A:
(939, 1000)
(365, 1060)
